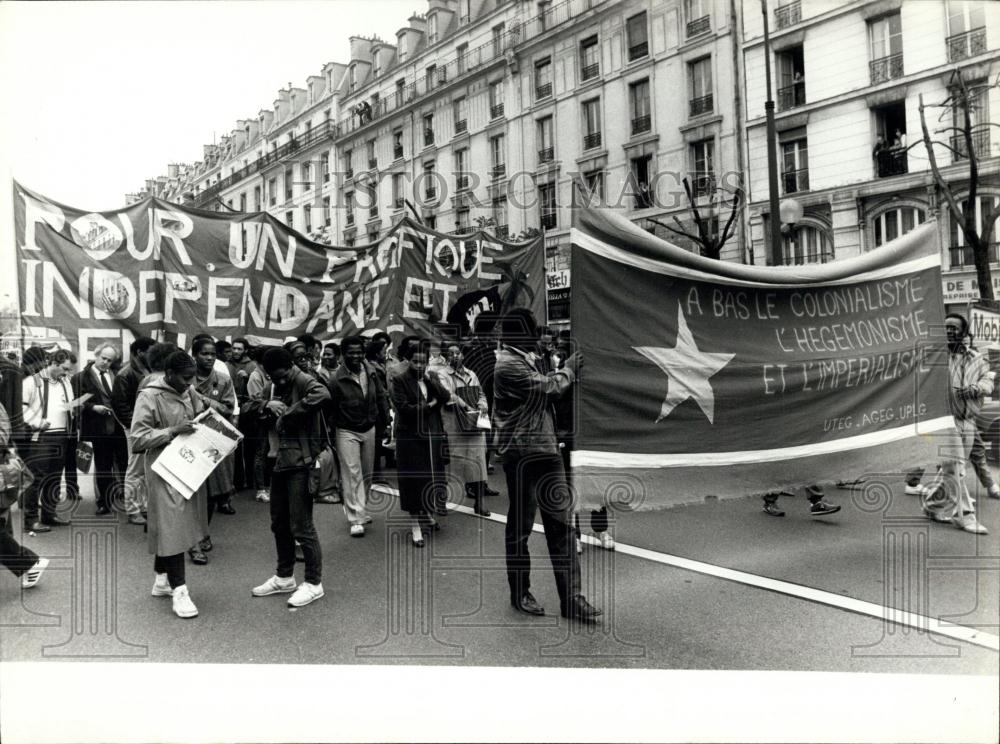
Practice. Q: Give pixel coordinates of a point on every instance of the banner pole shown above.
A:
(545, 277)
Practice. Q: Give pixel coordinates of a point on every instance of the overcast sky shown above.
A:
(98, 97)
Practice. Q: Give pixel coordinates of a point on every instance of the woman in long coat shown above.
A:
(420, 440)
(164, 409)
(216, 391)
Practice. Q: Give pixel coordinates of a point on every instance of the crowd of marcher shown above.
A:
(321, 423)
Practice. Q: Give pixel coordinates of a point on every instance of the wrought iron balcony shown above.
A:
(461, 125)
(428, 137)
(966, 44)
(373, 211)
(546, 154)
(792, 95)
(461, 182)
(961, 255)
(430, 193)
(980, 144)
(548, 220)
(698, 26)
(350, 218)
(890, 162)
(787, 15)
(641, 124)
(590, 141)
(589, 72)
(643, 198)
(795, 180)
(502, 231)
(794, 253)
(886, 68)
(702, 105)
(499, 170)
(496, 110)
(638, 51)
(543, 91)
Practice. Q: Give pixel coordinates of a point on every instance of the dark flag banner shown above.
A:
(160, 269)
(703, 378)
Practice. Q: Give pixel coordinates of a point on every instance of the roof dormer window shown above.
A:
(402, 47)
(432, 29)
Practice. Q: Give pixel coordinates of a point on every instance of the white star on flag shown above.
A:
(687, 368)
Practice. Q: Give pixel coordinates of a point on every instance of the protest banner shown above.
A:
(160, 269)
(704, 378)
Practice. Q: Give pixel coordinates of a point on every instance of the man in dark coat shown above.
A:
(123, 396)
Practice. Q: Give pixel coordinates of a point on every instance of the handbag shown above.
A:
(84, 455)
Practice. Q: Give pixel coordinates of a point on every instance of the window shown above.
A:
(590, 65)
(326, 211)
(638, 97)
(896, 223)
(546, 151)
(288, 184)
(696, 17)
(401, 49)
(461, 163)
(640, 171)
(348, 167)
(787, 13)
(256, 198)
(324, 166)
(966, 30)
(307, 218)
(349, 206)
(459, 115)
(543, 78)
(372, 160)
(349, 242)
(886, 38)
(353, 77)
(431, 221)
(592, 124)
(373, 235)
(889, 150)
(376, 65)
(589, 190)
(272, 191)
(979, 114)
(461, 51)
(432, 29)
(429, 76)
(498, 40)
(398, 190)
(638, 41)
(547, 205)
(462, 220)
(961, 254)
(465, 11)
(804, 245)
(397, 144)
(795, 165)
(496, 99)
(430, 182)
(372, 201)
(400, 93)
(289, 218)
(703, 168)
(500, 215)
(306, 174)
(428, 130)
(700, 81)
(243, 202)
(498, 156)
(791, 78)
(595, 183)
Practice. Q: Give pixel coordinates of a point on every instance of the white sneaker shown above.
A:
(607, 542)
(917, 490)
(183, 606)
(993, 491)
(263, 495)
(274, 585)
(357, 530)
(305, 594)
(30, 577)
(969, 523)
(161, 587)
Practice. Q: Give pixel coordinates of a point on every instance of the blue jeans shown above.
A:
(291, 520)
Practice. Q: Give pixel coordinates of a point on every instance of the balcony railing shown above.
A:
(792, 95)
(961, 255)
(461, 125)
(430, 193)
(794, 253)
(886, 68)
(980, 144)
(787, 15)
(428, 137)
(461, 182)
(372, 163)
(350, 218)
(499, 170)
(543, 91)
(373, 211)
(890, 163)
(549, 220)
(590, 71)
(592, 140)
(702, 105)
(795, 180)
(966, 44)
(641, 124)
(698, 26)
(502, 231)
(638, 51)
(546, 155)
(643, 197)
(397, 153)
(496, 110)
(702, 183)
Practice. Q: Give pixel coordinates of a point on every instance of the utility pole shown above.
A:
(772, 152)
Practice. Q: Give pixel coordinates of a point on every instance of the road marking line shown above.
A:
(889, 614)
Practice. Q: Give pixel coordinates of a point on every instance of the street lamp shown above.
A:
(772, 153)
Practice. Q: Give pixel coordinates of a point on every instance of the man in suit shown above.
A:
(124, 393)
(99, 426)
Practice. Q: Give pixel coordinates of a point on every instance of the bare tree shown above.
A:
(961, 107)
(706, 235)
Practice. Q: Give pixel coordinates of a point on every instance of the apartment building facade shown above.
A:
(847, 79)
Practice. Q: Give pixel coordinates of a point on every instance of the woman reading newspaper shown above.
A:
(163, 410)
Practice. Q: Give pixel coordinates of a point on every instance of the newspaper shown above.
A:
(189, 459)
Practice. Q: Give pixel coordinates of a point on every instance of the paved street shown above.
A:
(387, 603)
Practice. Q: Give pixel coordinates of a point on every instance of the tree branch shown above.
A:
(683, 233)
